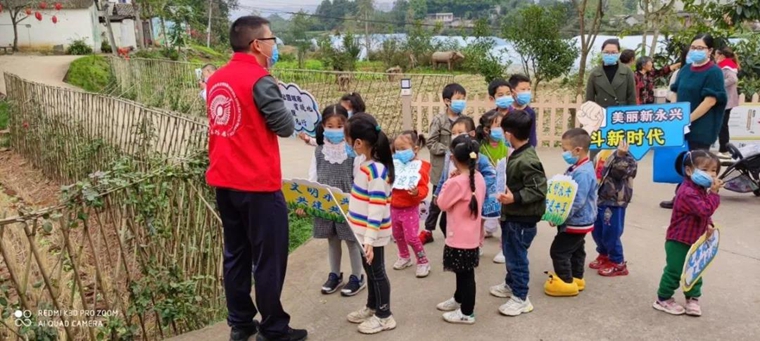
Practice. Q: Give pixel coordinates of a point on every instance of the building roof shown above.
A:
(75, 4)
(126, 10)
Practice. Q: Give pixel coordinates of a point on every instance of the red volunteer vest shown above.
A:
(244, 154)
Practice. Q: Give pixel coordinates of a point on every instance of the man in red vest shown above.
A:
(246, 115)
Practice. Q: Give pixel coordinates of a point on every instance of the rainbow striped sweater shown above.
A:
(369, 209)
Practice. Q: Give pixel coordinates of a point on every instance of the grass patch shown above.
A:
(91, 73)
(300, 230)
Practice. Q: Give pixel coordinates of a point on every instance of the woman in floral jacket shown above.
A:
(646, 75)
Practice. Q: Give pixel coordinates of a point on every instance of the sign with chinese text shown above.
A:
(699, 257)
(315, 199)
(407, 175)
(559, 198)
(644, 127)
(303, 106)
(744, 124)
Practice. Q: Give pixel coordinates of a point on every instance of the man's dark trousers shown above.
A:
(255, 232)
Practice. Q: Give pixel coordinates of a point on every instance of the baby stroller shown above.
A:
(743, 176)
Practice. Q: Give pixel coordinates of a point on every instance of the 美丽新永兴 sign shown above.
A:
(644, 127)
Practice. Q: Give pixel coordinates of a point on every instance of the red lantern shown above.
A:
(55, 19)
(28, 11)
(38, 15)
(43, 5)
(58, 6)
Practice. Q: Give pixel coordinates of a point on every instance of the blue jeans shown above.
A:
(515, 241)
(607, 232)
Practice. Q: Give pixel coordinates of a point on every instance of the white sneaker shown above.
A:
(501, 290)
(499, 259)
(361, 315)
(423, 270)
(402, 263)
(448, 305)
(457, 317)
(480, 251)
(515, 306)
(374, 325)
(725, 156)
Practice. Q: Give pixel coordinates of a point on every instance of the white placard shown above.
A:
(303, 106)
(407, 175)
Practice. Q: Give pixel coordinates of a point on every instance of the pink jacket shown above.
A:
(464, 229)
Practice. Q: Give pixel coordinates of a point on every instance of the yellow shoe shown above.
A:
(556, 287)
(580, 282)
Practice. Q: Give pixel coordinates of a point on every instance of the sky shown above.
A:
(268, 7)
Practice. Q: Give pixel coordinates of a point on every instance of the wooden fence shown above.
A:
(136, 240)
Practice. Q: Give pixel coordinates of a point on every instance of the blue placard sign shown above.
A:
(644, 127)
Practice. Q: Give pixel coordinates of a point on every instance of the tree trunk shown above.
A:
(15, 35)
(140, 33)
(111, 40)
(655, 36)
(163, 31)
(367, 41)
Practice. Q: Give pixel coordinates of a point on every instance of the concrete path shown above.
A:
(44, 69)
(609, 308)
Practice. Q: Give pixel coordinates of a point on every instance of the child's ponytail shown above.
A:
(465, 151)
(486, 121)
(381, 151)
(363, 126)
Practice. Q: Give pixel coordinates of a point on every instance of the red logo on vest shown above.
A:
(225, 111)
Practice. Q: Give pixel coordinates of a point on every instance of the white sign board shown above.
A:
(303, 106)
(407, 175)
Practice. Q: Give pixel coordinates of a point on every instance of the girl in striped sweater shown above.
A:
(369, 216)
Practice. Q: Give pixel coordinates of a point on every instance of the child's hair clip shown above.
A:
(473, 155)
(377, 128)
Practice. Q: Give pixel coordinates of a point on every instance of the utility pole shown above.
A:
(107, 15)
(140, 33)
(208, 29)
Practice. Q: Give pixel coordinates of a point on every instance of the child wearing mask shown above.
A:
(454, 98)
(405, 203)
(696, 201)
(522, 91)
(492, 146)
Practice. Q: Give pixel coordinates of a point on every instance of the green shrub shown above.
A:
(105, 47)
(287, 57)
(91, 73)
(170, 53)
(79, 47)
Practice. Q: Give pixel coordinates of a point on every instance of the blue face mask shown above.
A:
(350, 113)
(457, 106)
(570, 158)
(696, 56)
(610, 59)
(523, 98)
(504, 102)
(701, 178)
(404, 156)
(497, 134)
(335, 136)
(275, 56)
(350, 151)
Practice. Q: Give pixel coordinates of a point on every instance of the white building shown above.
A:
(77, 19)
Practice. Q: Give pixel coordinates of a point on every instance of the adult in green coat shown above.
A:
(612, 83)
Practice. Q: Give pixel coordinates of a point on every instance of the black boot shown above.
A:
(667, 204)
(293, 335)
(242, 333)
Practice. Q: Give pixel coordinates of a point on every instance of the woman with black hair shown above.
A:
(701, 84)
(611, 84)
(353, 103)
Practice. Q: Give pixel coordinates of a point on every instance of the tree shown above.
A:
(299, 25)
(366, 9)
(655, 14)
(535, 33)
(420, 8)
(478, 55)
(16, 10)
(588, 31)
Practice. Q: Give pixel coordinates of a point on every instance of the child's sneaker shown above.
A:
(360, 315)
(489, 234)
(457, 316)
(599, 262)
(515, 306)
(499, 259)
(333, 283)
(556, 287)
(669, 306)
(612, 269)
(501, 290)
(693, 308)
(580, 282)
(448, 305)
(354, 285)
(423, 270)
(374, 325)
(402, 263)
(426, 237)
(480, 251)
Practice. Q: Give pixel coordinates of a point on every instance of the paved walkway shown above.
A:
(609, 308)
(44, 69)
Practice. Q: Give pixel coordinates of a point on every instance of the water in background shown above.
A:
(503, 48)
